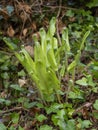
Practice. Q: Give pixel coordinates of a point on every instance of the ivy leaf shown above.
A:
(2, 126)
(16, 87)
(54, 108)
(92, 3)
(20, 128)
(95, 105)
(70, 13)
(45, 127)
(90, 81)
(82, 82)
(95, 114)
(15, 117)
(41, 117)
(61, 124)
(71, 125)
(4, 101)
(86, 124)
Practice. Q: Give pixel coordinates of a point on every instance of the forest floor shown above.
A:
(20, 105)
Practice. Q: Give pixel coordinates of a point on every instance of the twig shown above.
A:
(40, 7)
(87, 105)
(34, 4)
(26, 16)
(58, 14)
(59, 11)
(13, 109)
(62, 7)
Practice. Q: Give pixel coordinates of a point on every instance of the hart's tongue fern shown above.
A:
(45, 66)
(42, 69)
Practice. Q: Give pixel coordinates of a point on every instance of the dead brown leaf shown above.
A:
(4, 13)
(23, 10)
(3, 94)
(10, 31)
(25, 31)
(23, 16)
(29, 49)
(34, 26)
(21, 6)
(22, 82)
(72, 19)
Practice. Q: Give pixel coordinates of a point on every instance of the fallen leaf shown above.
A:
(22, 82)
(29, 49)
(72, 19)
(24, 7)
(4, 14)
(34, 27)
(23, 16)
(10, 31)
(3, 94)
(23, 10)
(34, 122)
(25, 31)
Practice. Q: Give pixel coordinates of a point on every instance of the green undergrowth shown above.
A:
(62, 79)
(47, 64)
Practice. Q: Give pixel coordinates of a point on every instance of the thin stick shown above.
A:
(13, 109)
(57, 32)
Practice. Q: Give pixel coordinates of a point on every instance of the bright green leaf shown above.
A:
(45, 127)
(82, 82)
(53, 108)
(65, 39)
(69, 13)
(2, 126)
(61, 124)
(70, 125)
(86, 124)
(92, 3)
(52, 27)
(41, 117)
(16, 87)
(95, 105)
(29, 105)
(15, 117)
(20, 128)
(95, 115)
